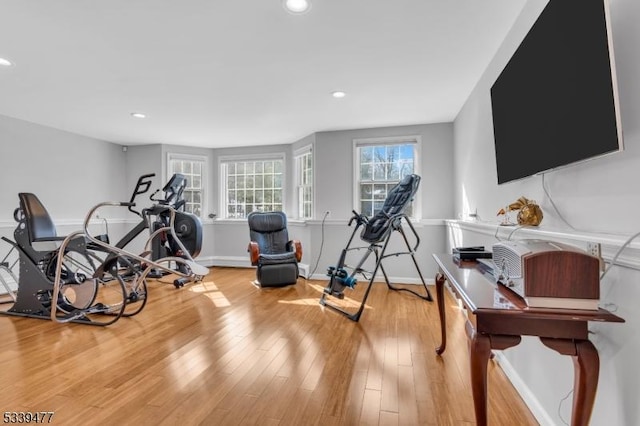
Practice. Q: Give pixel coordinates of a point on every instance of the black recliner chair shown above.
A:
(275, 256)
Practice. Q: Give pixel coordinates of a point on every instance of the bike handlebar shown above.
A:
(142, 186)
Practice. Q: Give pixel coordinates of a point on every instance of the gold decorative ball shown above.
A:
(530, 214)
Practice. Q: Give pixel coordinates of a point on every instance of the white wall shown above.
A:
(598, 198)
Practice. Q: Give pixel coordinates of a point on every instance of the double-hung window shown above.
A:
(193, 167)
(380, 165)
(304, 182)
(251, 184)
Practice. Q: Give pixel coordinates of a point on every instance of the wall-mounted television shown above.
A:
(555, 103)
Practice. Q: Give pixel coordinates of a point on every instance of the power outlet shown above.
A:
(595, 249)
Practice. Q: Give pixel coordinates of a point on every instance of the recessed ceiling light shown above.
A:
(5, 62)
(338, 94)
(138, 115)
(297, 6)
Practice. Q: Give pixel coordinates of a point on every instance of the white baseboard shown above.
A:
(239, 262)
(380, 279)
(244, 262)
(538, 411)
(227, 261)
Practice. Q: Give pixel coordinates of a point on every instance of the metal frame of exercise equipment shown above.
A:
(73, 291)
(343, 276)
(137, 283)
(154, 219)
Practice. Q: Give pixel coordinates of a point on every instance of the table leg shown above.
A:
(440, 279)
(480, 351)
(586, 367)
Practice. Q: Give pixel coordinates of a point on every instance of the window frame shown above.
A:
(415, 140)
(204, 202)
(227, 159)
(297, 159)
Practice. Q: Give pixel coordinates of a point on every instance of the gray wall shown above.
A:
(334, 168)
(334, 186)
(71, 173)
(143, 160)
(599, 198)
(68, 172)
(146, 159)
(225, 241)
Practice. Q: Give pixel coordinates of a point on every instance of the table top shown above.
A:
(481, 294)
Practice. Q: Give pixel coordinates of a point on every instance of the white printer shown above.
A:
(548, 274)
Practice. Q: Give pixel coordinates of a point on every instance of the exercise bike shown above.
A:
(185, 240)
(130, 270)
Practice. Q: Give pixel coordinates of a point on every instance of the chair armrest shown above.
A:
(295, 245)
(254, 252)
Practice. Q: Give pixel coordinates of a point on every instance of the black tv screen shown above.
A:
(555, 102)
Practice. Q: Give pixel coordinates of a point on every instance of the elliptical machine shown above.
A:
(187, 241)
(80, 278)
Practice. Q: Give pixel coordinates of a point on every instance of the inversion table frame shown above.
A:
(377, 232)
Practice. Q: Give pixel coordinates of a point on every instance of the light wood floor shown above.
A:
(225, 352)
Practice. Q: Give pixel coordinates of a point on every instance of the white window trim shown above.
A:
(205, 176)
(247, 157)
(308, 149)
(390, 140)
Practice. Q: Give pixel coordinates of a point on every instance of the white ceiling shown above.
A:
(215, 73)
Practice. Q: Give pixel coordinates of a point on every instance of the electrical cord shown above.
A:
(560, 407)
(620, 250)
(495, 234)
(514, 231)
(321, 244)
(614, 259)
(612, 307)
(546, 191)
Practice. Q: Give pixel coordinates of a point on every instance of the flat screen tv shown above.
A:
(555, 103)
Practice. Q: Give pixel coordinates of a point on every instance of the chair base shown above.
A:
(277, 275)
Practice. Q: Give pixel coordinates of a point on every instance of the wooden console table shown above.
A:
(497, 318)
